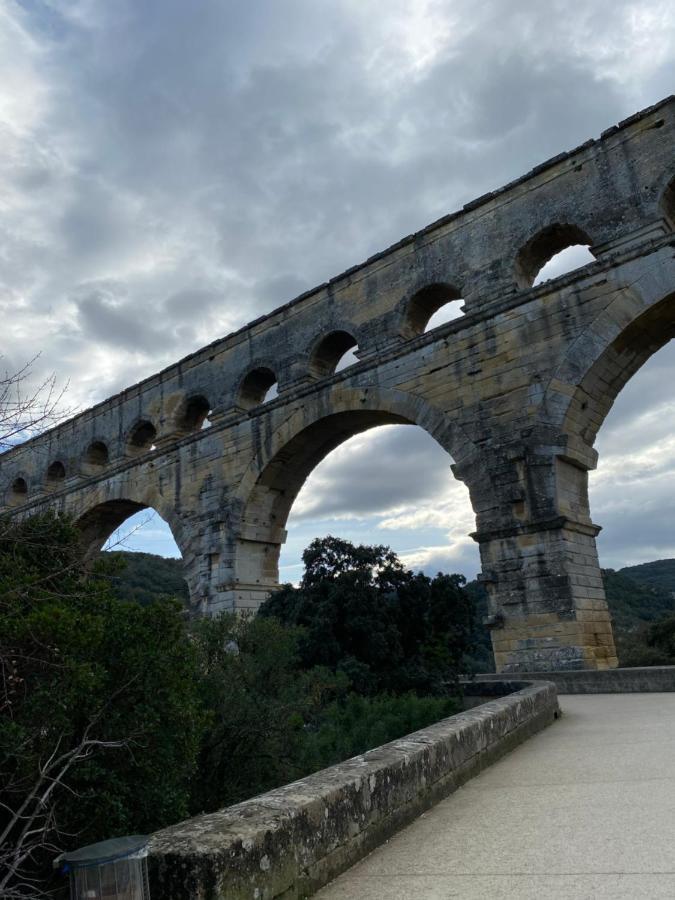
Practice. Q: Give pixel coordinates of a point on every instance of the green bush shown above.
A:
(101, 719)
(350, 726)
(116, 717)
(257, 702)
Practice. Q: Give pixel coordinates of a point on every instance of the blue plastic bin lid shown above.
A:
(105, 851)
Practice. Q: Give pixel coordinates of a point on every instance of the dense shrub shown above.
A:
(100, 719)
(116, 717)
(355, 724)
(257, 702)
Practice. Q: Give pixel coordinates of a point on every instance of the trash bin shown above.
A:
(116, 869)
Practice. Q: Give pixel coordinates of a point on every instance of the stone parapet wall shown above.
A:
(648, 679)
(292, 840)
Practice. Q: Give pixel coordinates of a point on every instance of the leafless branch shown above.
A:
(28, 408)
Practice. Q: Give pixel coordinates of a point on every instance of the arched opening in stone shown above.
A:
(150, 560)
(333, 353)
(625, 407)
(97, 455)
(553, 252)
(567, 260)
(195, 414)
(362, 491)
(346, 476)
(259, 386)
(141, 438)
(56, 473)
(431, 307)
(668, 204)
(18, 492)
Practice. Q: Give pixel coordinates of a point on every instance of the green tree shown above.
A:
(652, 645)
(100, 718)
(145, 577)
(258, 703)
(364, 614)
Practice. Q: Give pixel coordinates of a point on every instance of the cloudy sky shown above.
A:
(169, 170)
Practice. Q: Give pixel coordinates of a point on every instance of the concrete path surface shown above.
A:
(586, 809)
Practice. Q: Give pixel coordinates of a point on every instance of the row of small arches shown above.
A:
(141, 439)
(552, 252)
(429, 308)
(555, 251)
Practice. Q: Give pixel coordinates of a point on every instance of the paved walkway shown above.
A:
(586, 809)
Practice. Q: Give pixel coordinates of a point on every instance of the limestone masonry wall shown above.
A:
(514, 390)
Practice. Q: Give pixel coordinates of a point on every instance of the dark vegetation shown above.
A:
(658, 574)
(364, 615)
(642, 601)
(144, 577)
(119, 716)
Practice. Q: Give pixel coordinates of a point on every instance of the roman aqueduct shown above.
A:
(514, 390)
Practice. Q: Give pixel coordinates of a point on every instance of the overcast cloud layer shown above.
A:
(170, 170)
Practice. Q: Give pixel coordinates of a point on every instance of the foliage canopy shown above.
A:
(389, 630)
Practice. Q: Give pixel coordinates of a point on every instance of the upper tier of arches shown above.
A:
(277, 355)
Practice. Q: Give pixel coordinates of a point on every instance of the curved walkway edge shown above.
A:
(292, 840)
(584, 810)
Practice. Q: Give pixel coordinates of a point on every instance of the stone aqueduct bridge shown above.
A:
(515, 390)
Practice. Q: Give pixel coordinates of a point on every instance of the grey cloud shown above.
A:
(642, 532)
(280, 289)
(651, 388)
(120, 324)
(463, 560)
(191, 302)
(399, 465)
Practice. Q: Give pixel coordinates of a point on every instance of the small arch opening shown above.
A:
(333, 353)
(97, 454)
(18, 491)
(553, 252)
(565, 261)
(668, 204)
(195, 414)
(431, 307)
(56, 472)
(259, 386)
(142, 437)
(151, 567)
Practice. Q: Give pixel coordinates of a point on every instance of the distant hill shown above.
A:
(658, 574)
(634, 602)
(144, 577)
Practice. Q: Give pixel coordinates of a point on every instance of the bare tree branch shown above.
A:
(28, 408)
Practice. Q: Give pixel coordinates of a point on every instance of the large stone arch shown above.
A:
(635, 322)
(284, 459)
(633, 327)
(100, 520)
(628, 350)
(529, 374)
(100, 517)
(638, 320)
